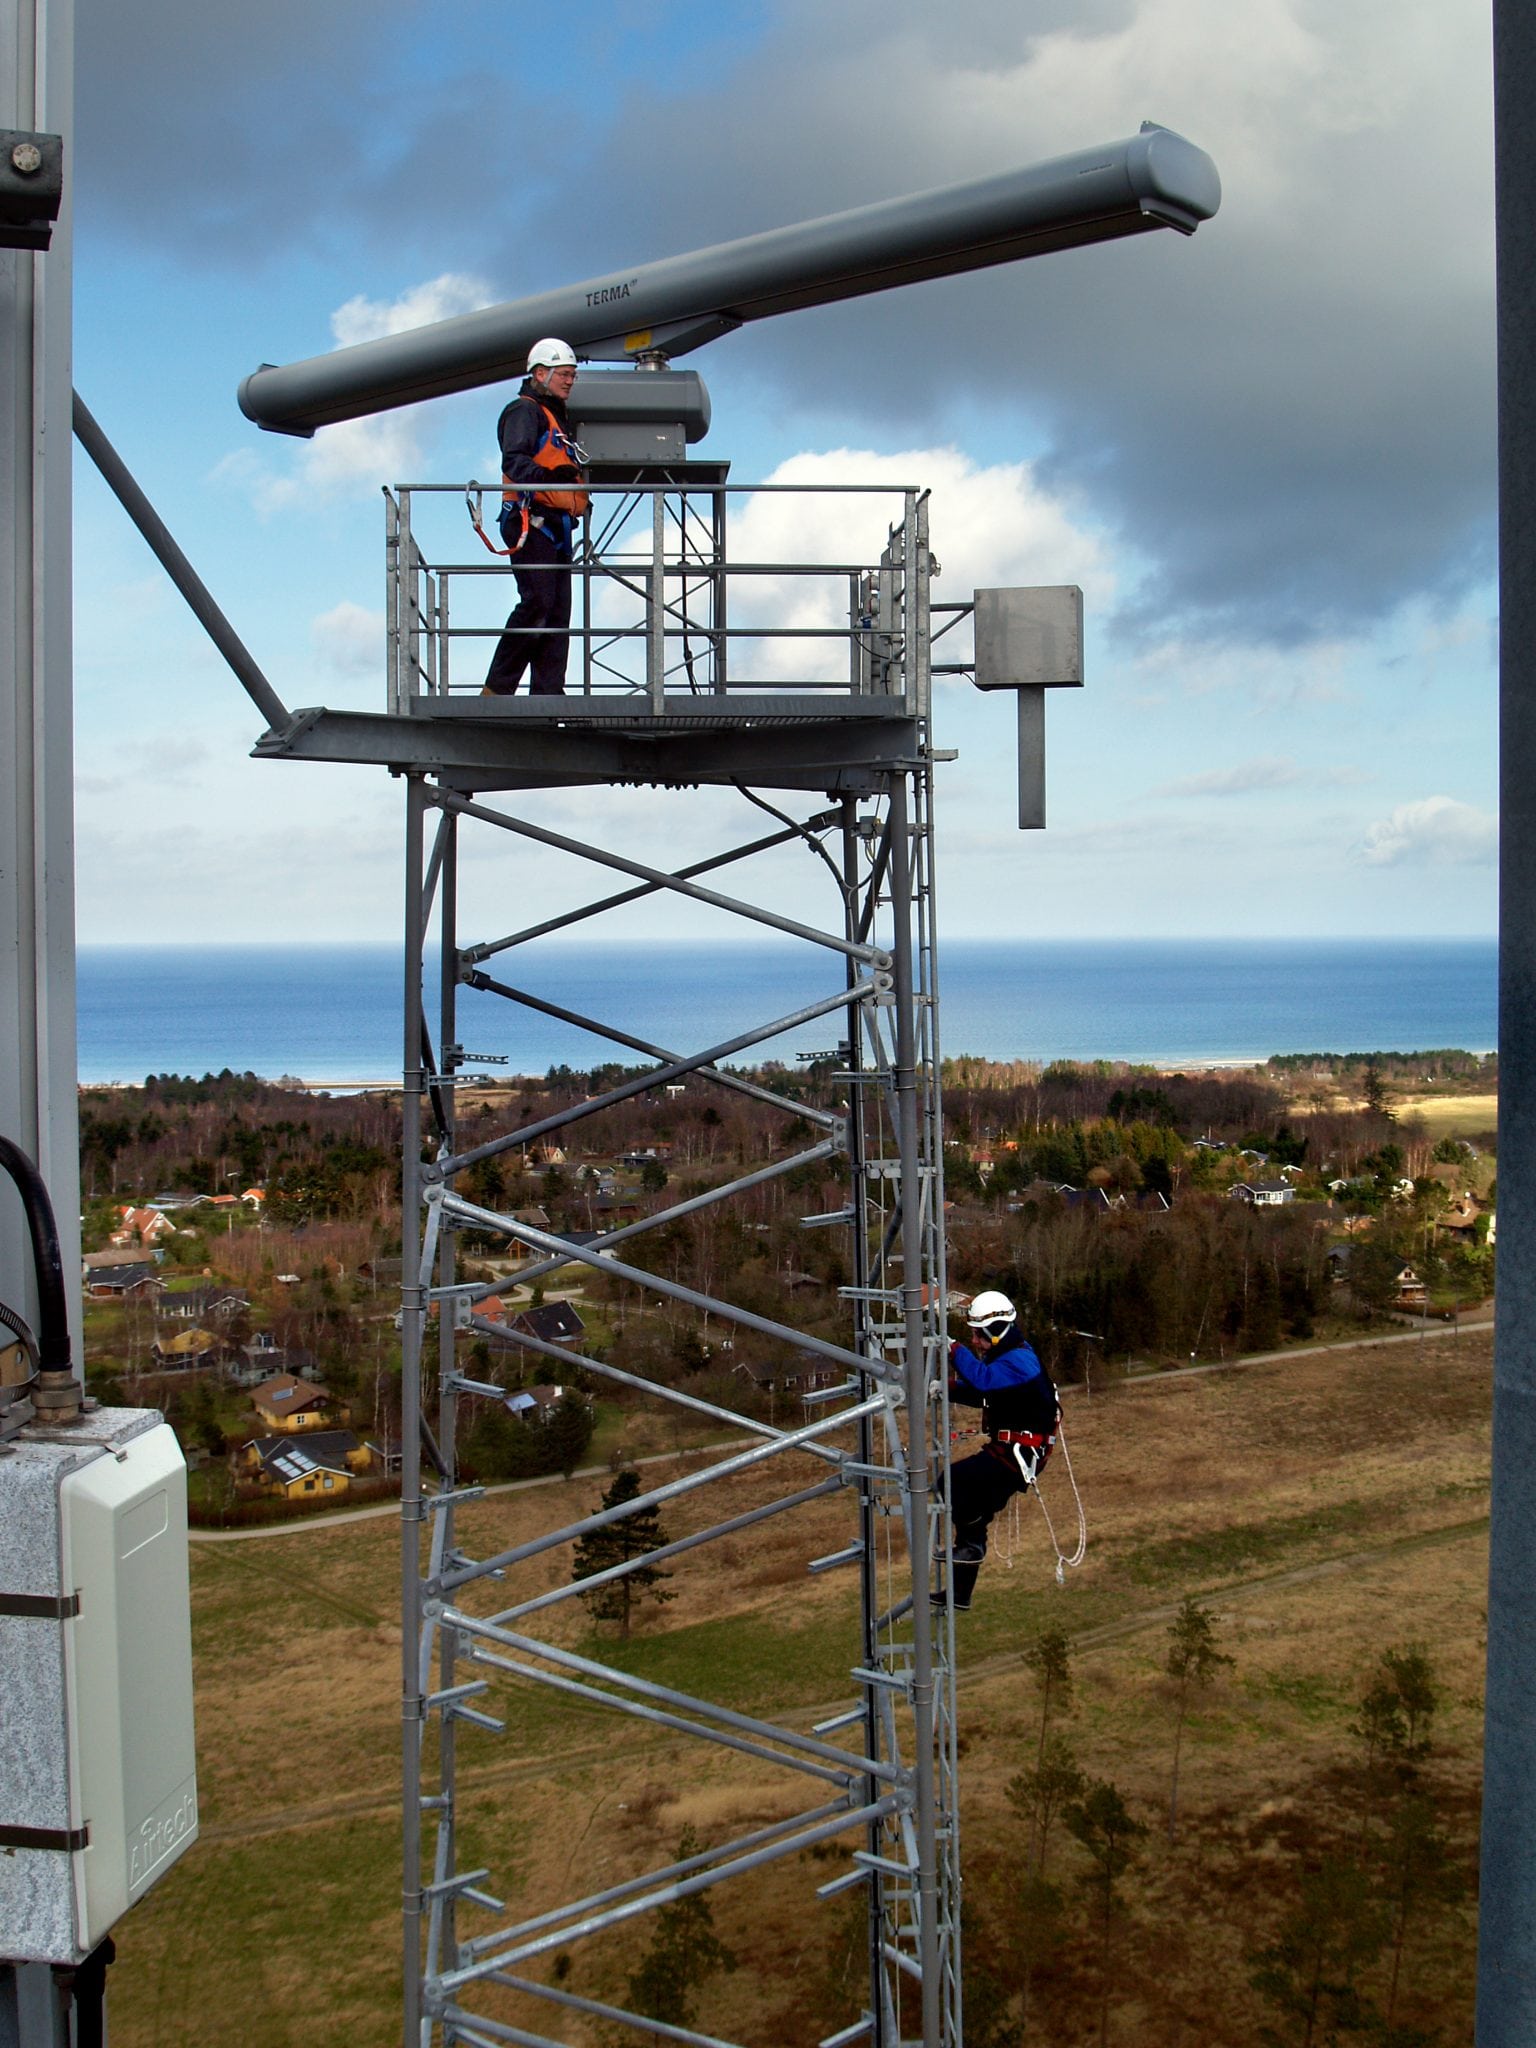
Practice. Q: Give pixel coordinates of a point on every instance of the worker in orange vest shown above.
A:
(539, 518)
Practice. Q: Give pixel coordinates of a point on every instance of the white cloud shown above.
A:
(1264, 771)
(156, 759)
(1269, 771)
(349, 638)
(1434, 831)
(440, 298)
(361, 453)
(992, 525)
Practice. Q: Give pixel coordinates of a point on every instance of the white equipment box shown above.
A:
(98, 1791)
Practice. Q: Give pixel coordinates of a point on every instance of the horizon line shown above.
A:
(703, 939)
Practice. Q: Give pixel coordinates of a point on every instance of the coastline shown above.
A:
(1201, 1063)
(333, 1017)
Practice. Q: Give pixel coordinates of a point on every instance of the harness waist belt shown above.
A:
(1027, 1437)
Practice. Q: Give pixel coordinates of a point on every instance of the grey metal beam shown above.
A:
(561, 842)
(485, 1291)
(917, 1372)
(412, 1331)
(661, 1717)
(736, 1082)
(673, 1070)
(841, 751)
(657, 1283)
(450, 1579)
(1151, 180)
(37, 873)
(685, 1867)
(675, 1395)
(575, 1588)
(622, 897)
(666, 1895)
(1506, 1977)
(598, 2010)
(120, 481)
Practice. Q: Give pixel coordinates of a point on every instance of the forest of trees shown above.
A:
(1380, 1862)
(1165, 1267)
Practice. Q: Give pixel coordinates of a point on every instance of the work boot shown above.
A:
(962, 1602)
(963, 1578)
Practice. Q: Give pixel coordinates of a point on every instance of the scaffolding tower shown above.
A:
(688, 676)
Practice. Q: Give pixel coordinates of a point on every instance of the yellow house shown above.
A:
(323, 1466)
(186, 1348)
(288, 1403)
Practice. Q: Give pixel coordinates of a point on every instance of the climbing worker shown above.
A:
(538, 524)
(998, 1373)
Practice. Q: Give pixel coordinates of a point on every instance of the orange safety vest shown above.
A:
(553, 451)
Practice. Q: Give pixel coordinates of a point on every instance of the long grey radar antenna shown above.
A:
(1153, 180)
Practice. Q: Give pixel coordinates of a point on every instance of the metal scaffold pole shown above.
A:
(412, 1715)
(917, 1375)
(38, 1109)
(871, 1436)
(1506, 1982)
(882, 2026)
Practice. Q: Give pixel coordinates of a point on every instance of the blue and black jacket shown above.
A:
(1010, 1386)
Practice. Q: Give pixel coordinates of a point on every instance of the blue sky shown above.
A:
(1266, 453)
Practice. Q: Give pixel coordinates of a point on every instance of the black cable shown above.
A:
(801, 831)
(53, 1346)
(18, 1326)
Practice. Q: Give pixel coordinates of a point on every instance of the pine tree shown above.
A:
(1039, 1796)
(1420, 1877)
(1033, 1907)
(685, 1950)
(568, 1431)
(1193, 1660)
(1101, 1821)
(1392, 1725)
(616, 1543)
(1413, 1679)
(1048, 1658)
(1308, 1971)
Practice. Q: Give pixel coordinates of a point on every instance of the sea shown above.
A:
(329, 1015)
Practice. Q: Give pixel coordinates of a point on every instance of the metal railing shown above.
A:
(660, 610)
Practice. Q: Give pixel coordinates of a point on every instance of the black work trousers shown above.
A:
(979, 1488)
(535, 636)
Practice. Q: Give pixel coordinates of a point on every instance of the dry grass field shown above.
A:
(1325, 1508)
(1454, 1116)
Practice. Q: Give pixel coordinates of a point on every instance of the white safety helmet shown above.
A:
(552, 354)
(991, 1313)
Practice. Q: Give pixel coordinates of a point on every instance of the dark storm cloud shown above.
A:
(241, 135)
(1289, 418)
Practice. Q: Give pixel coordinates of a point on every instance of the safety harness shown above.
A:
(474, 504)
(1019, 1441)
(556, 450)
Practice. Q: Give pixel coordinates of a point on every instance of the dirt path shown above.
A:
(1137, 1382)
(551, 1763)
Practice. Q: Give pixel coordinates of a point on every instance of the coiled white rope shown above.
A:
(1064, 1563)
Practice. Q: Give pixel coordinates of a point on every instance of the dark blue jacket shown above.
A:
(1010, 1386)
(521, 430)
